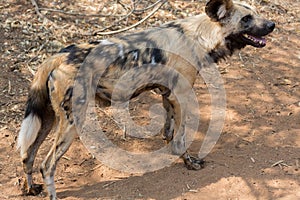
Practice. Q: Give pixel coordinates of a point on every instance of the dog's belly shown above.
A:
(106, 93)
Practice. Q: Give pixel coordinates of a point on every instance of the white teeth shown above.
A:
(249, 37)
(255, 40)
(246, 35)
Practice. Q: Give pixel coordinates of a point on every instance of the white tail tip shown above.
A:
(28, 133)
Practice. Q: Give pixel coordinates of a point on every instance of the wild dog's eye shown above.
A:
(247, 18)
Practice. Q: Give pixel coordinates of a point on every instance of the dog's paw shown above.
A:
(34, 190)
(193, 163)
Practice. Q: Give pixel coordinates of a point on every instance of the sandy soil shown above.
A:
(262, 120)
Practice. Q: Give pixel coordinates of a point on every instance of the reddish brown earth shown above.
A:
(262, 125)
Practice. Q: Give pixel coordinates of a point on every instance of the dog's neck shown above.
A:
(208, 35)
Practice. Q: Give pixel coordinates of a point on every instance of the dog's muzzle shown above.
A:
(255, 38)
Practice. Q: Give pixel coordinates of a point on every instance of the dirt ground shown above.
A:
(257, 155)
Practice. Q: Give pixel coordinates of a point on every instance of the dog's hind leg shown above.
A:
(60, 93)
(38, 121)
(64, 134)
(29, 156)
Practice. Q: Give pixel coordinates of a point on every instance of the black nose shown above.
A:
(270, 26)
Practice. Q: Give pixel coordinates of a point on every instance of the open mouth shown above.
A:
(255, 41)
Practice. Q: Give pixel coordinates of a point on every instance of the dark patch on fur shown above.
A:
(232, 43)
(175, 26)
(144, 88)
(106, 95)
(246, 21)
(68, 94)
(67, 49)
(219, 53)
(165, 92)
(121, 61)
(153, 53)
(135, 54)
(95, 42)
(42, 172)
(37, 103)
(127, 61)
(77, 55)
(145, 56)
(158, 56)
(66, 104)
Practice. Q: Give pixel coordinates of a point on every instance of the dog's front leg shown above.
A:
(168, 131)
(178, 143)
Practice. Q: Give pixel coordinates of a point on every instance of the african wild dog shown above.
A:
(200, 40)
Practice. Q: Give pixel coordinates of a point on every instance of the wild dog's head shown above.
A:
(240, 23)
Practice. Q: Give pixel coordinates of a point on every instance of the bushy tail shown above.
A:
(37, 106)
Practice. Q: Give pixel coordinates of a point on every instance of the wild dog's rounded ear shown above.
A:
(217, 9)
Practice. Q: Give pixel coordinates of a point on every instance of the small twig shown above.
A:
(30, 70)
(37, 10)
(280, 163)
(98, 166)
(116, 22)
(82, 162)
(3, 128)
(277, 163)
(147, 8)
(29, 61)
(134, 25)
(80, 14)
(284, 164)
(190, 189)
(241, 58)
(9, 87)
(67, 158)
(188, 186)
(124, 5)
(136, 11)
(108, 115)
